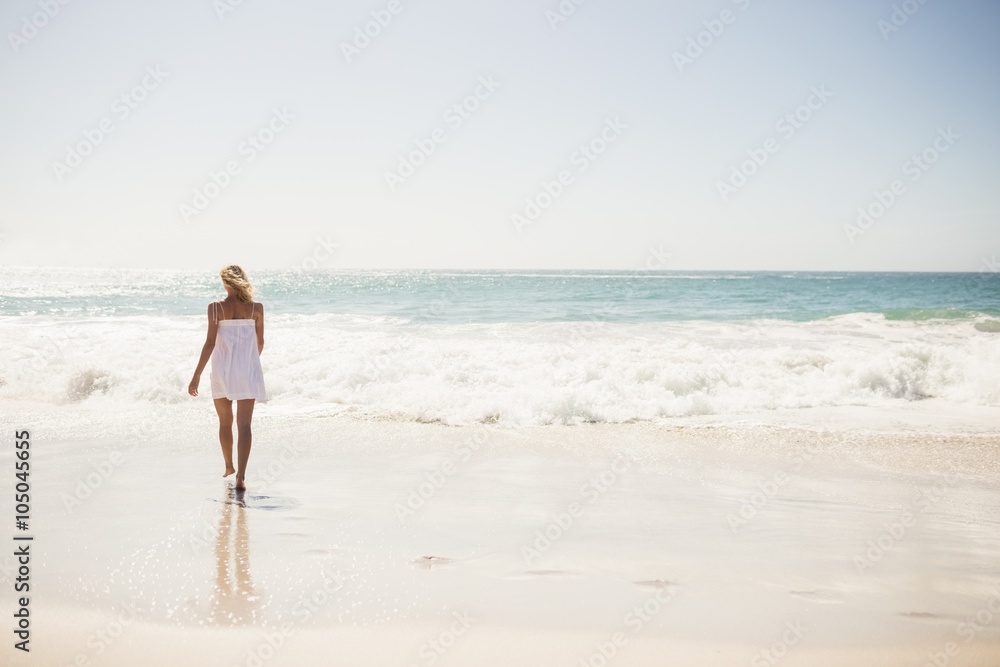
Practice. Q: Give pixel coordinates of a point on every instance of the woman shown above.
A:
(235, 341)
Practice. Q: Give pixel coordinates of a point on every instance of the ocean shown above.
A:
(540, 450)
(515, 347)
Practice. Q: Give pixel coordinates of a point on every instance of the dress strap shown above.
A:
(253, 309)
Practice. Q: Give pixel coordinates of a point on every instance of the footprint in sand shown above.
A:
(431, 562)
(324, 553)
(823, 597)
(548, 574)
(657, 583)
(257, 501)
(919, 615)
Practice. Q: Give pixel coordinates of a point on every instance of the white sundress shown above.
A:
(236, 370)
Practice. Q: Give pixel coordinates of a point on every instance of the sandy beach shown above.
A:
(565, 334)
(371, 542)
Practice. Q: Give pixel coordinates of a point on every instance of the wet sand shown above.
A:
(381, 543)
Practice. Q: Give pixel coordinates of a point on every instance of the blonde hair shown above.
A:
(234, 276)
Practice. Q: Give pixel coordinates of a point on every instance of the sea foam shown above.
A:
(516, 373)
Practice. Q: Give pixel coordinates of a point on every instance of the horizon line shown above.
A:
(510, 270)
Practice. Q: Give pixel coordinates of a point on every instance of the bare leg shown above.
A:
(244, 414)
(224, 407)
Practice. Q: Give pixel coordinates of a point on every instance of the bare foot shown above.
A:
(229, 471)
(240, 484)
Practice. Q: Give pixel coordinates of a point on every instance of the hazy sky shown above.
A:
(117, 114)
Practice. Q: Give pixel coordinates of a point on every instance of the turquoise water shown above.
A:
(514, 296)
(531, 347)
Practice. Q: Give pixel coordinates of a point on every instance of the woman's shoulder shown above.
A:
(214, 312)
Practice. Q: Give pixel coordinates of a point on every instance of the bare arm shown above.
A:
(259, 327)
(206, 351)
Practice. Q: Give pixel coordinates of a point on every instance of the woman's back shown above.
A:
(236, 310)
(236, 370)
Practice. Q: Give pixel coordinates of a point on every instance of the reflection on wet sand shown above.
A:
(234, 601)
